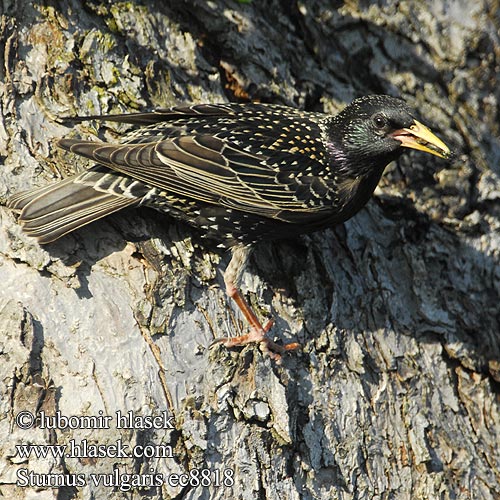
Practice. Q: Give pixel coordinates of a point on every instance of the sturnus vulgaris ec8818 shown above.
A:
(241, 173)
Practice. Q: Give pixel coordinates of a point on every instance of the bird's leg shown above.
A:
(257, 332)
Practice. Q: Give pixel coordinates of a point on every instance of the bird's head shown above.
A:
(373, 130)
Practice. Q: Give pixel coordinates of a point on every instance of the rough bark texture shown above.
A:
(395, 393)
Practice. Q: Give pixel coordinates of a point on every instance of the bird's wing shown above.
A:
(164, 114)
(212, 170)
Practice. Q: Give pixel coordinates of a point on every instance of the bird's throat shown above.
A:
(354, 192)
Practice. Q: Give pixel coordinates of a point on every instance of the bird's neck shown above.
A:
(347, 166)
(355, 180)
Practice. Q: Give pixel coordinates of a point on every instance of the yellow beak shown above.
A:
(418, 136)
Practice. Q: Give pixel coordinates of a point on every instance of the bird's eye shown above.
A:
(380, 121)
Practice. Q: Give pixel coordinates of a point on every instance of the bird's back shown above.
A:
(240, 173)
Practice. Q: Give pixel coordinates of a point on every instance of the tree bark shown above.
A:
(395, 392)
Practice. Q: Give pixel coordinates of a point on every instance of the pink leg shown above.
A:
(257, 332)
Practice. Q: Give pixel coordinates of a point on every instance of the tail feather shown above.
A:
(52, 211)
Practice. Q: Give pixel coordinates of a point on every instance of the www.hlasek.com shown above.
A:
(85, 449)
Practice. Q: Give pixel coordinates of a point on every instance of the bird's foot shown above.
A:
(258, 334)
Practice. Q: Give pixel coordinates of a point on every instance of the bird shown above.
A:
(240, 173)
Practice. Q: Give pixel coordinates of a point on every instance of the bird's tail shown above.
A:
(49, 212)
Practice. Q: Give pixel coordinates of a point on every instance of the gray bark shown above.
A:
(395, 393)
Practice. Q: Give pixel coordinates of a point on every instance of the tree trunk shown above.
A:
(395, 392)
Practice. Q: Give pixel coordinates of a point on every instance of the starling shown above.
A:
(240, 173)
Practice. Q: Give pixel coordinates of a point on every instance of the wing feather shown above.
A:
(163, 114)
(208, 169)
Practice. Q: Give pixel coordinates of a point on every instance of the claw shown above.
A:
(258, 335)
